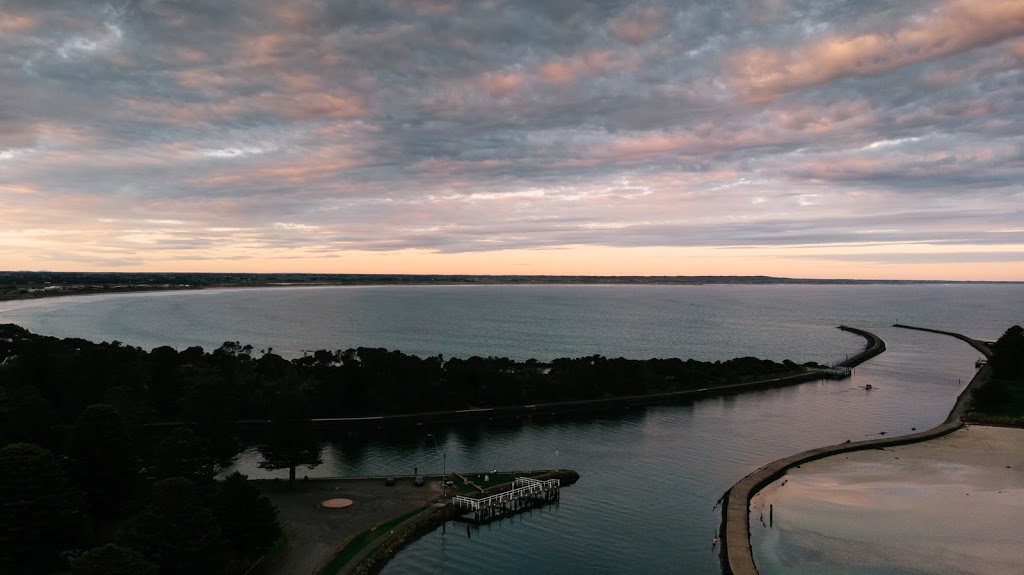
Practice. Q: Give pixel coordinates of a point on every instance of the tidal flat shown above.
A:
(952, 505)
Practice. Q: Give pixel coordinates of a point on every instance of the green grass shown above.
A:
(360, 541)
(494, 479)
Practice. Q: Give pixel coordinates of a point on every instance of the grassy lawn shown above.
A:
(493, 479)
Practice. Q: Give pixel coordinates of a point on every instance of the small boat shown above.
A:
(868, 386)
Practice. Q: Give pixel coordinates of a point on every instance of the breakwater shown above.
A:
(736, 555)
(874, 347)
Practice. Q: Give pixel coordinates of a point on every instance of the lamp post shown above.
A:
(444, 467)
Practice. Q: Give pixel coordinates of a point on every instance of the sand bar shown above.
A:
(950, 505)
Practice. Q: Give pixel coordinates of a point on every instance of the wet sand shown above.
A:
(951, 505)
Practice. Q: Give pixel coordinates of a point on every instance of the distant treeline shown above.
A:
(24, 284)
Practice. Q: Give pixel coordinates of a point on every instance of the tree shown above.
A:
(247, 519)
(102, 459)
(176, 530)
(181, 454)
(209, 406)
(39, 512)
(1008, 358)
(112, 559)
(289, 440)
(31, 419)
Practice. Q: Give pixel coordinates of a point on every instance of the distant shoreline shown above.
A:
(28, 285)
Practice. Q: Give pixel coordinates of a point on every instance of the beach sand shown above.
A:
(952, 505)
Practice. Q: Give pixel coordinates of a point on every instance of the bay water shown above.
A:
(650, 477)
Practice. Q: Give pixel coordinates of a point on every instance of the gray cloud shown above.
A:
(472, 126)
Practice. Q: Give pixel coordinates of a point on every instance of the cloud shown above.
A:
(761, 73)
(206, 132)
(639, 25)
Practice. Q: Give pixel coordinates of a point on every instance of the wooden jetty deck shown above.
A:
(525, 493)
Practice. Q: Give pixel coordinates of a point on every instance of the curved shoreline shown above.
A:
(736, 554)
(375, 557)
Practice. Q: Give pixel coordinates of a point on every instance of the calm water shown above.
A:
(650, 477)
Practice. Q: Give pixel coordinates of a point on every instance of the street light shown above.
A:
(444, 467)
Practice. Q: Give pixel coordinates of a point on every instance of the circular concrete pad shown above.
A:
(335, 503)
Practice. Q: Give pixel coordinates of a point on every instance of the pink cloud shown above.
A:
(499, 84)
(17, 24)
(335, 104)
(762, 74)
(639, 25)
(768, 128)
(296, 14)
(565, 70)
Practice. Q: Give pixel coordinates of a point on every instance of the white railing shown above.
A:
(521, 487)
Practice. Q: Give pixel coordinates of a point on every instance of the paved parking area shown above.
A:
(316, 534)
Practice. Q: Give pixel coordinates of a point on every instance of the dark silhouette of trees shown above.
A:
(182, 454)
(111, 559)
(30, 418)
(39, 512)
(1008, 354)
(177, 530)
(248, 520)
(289, 440)
(213, 390)
(102, 460)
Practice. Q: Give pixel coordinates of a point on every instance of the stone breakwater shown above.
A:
(736, 555)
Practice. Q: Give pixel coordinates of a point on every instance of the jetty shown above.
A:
(525, 493)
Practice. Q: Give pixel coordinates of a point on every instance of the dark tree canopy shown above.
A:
(111, 559)
(289, 440)
(248, 520)
(177, 530)
(1008, 359)
(103, 461)
(30, 418)
(39, 512)
(182, 454)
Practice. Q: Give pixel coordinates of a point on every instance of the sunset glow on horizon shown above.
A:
(805, 139)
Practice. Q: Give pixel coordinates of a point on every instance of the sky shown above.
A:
(796, 138)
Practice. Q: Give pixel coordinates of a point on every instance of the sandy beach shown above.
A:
(952, 505)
